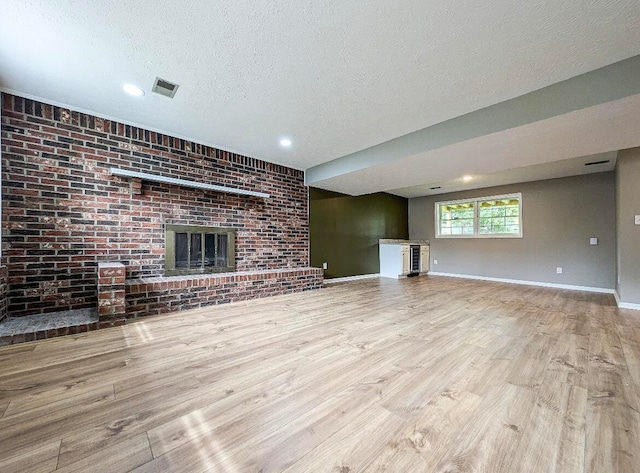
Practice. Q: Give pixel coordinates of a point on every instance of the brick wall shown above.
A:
(63, 212)
(3, 292)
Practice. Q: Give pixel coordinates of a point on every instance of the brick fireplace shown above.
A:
(64, 213)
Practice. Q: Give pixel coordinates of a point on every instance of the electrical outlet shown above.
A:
(637, 220)
(593, 241)
(325, 265)
(559, 270)
(435, 261)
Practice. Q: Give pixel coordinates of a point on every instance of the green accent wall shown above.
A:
(344, 230)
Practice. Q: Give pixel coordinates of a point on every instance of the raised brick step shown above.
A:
(152, 296)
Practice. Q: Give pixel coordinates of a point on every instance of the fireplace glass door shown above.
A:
(194, 249)
(216, 250)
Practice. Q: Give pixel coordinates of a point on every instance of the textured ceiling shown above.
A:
(335, 77)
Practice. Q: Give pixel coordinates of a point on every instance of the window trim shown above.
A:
(170, 231)
(476, 201)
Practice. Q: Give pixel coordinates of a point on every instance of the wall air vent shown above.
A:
(593, 163)
(164, 87)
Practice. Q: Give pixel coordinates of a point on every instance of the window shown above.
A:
(193, 249)
(484, 217)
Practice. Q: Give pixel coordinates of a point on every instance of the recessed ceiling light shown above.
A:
(466, 178)
(286, 142)
(133, 90)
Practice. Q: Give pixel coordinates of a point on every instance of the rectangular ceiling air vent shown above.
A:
(593, 163)
(164, 87)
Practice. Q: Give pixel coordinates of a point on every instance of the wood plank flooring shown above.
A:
(428, 374)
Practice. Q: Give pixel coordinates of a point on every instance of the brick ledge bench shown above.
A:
(158, 295)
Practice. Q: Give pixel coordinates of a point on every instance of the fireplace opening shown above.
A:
(191, 249)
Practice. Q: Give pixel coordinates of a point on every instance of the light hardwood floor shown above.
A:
(427, 374)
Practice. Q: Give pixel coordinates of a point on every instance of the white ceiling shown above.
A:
(335, 77)
(536, 172)
(542, 150)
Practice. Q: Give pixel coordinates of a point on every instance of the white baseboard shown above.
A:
(625, 305)
(570, 287)
(351, 278)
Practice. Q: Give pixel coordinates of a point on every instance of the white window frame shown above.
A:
(476, 206)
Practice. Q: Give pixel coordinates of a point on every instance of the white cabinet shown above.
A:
(406, 258)
(396, 257)
(424, 258)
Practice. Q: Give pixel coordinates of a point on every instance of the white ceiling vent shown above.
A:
(164, 87)
(593, 163)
